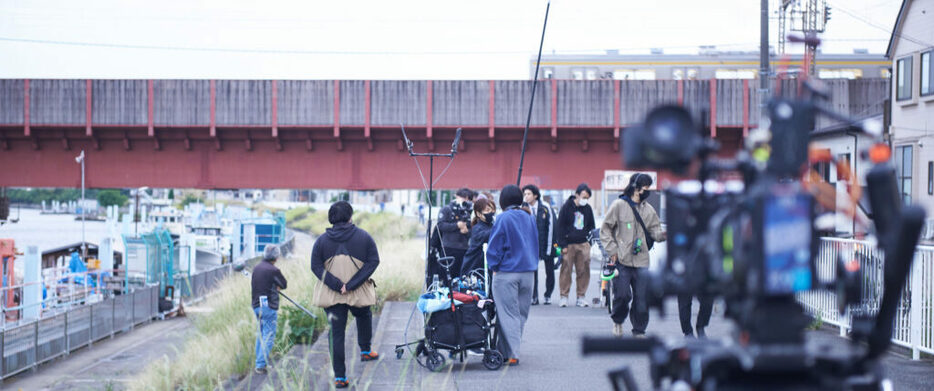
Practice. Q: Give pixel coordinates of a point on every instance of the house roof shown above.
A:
(895, 29)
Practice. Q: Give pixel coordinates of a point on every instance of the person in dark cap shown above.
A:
(512, 256)
(344, 259)
(454, 229)
(265, 283)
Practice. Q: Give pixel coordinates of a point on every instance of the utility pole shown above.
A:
(84, 243)
(763, 60)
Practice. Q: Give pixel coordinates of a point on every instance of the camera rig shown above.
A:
(753, 242)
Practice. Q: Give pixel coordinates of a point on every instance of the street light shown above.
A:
(136, 216)
(84, 244)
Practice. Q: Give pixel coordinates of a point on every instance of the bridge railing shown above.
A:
(914, 321)
(387, 103)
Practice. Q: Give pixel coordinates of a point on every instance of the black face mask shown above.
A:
(489, 217)
(645, 195)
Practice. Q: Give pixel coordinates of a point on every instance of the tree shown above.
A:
(171, 194)
(111, 197)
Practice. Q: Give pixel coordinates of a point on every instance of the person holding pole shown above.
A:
(265, 284)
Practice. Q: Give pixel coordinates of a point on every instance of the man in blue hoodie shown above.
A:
(512, 255)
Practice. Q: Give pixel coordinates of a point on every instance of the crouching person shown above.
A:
(343, 259)
(266, 281)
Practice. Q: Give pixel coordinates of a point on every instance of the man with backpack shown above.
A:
(344, 259)
(628, 233)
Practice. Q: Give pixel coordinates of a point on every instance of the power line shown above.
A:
(886, 29)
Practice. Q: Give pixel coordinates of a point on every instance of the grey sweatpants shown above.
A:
(512, 293)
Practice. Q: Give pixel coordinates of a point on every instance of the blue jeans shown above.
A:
(267, 334)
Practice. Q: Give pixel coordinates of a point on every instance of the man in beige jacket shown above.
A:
(628, 241)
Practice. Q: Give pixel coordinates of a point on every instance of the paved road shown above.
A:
(551, 354)
(108, 364)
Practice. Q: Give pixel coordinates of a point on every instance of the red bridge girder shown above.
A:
(305, 158)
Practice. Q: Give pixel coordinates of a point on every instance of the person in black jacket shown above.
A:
(343, 238)
(454, 229)
(483, 211)
(265, 284)
(575, 221)
(545, 223)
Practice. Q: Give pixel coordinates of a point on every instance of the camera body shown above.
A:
(752, 242)
(462, 210)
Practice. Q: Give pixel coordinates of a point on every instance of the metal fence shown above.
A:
(26, 346)
(914, 320)
(31, 343)
(197, 285)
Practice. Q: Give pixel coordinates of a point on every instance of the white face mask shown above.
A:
(583, 201)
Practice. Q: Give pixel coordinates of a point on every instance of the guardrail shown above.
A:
(914, 320)
(26, 346)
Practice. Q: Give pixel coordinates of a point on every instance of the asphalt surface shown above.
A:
(109, 364)
(551, 357)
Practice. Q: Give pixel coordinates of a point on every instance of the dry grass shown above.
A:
(221, 346)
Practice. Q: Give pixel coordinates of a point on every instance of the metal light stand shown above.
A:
(431, 177)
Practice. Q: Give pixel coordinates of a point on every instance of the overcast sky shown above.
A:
(369, 39)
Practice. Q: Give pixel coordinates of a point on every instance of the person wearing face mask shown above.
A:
(454, 227)
(483, 210)
(544, 223)
(575, 221)
(628, 233)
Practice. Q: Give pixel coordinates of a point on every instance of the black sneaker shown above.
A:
(547, 301)
(534, 301)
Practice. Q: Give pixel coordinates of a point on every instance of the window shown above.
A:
(854, 73)
(903, 171)
(677, 74)
(591, 74)
(930, 178)
(692, 74)
(843, 157)
(577, 74)
(903, 79)
(735, 74)
(927, 73)
(548, 73)
(885, 73)
(634, 74)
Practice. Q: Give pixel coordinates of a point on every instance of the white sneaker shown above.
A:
(582, 303)
(564, 302)
(617, 330)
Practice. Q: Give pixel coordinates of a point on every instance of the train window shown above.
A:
(735, 74)
(927, 73)
(548, 73)
(854, 73)
(677, 74)
(885, 73)
(577, 74)
(693, 73)
(903, 79)
(591, 74)
(634, 74)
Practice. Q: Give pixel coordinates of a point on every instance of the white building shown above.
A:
(911, 50)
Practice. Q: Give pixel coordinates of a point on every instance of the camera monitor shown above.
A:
(787, 236)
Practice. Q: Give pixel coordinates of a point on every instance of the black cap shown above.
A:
(509, 196)
(340, 212)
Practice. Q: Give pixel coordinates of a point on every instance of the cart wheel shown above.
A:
(399, 353)
(435, 361)
(492, 359)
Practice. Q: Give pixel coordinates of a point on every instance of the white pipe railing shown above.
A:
(914, 320)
